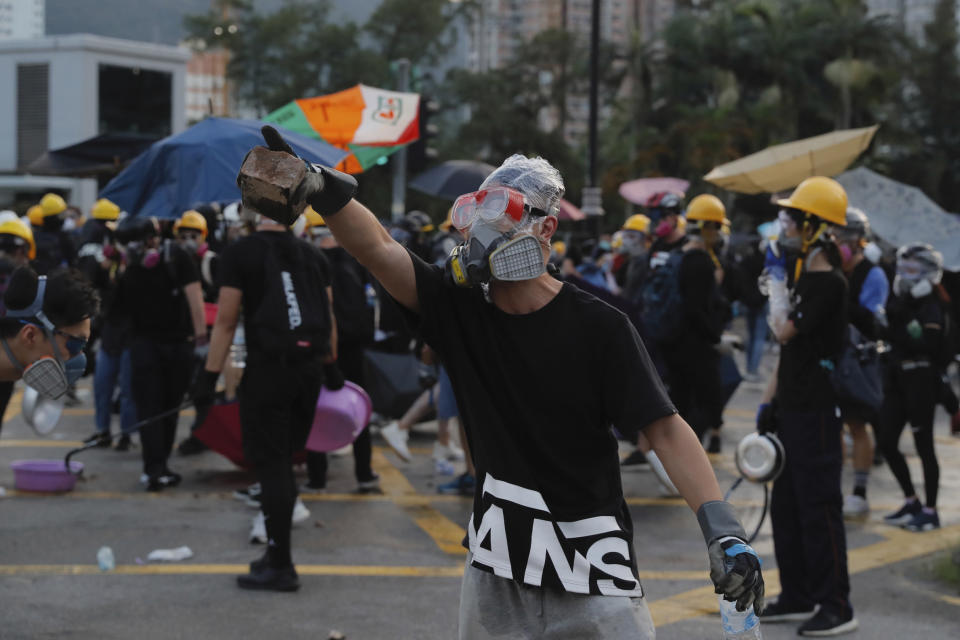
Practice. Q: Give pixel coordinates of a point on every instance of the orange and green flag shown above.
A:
(368, 122)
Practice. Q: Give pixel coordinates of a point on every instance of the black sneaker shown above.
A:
(370, 485)
(904, 514)
(713, 444)
(102, 439)
(123, 444)
(261, 563)
(636, 461)
(777, 611)
(249, 496)
(825, 625)
(267, 578)
(191, 446)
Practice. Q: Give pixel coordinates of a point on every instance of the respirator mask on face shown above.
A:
(139, 253)
(50, 376)
(914, 279)
(499, 226)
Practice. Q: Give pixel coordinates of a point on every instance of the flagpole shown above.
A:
(399, 160)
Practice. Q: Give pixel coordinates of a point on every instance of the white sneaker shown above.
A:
(447, 452)
(258, 532)
(656, 466)
(300, 512)
(855, 507)
(397, 439)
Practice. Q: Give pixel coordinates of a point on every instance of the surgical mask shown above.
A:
(69, 224)
(50, 376)
(664, 228)
(873, 252)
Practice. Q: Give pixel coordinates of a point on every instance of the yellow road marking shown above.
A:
(55, 444)
(739, 413)
(86, 411)
(14, 407)
(899, 546)
(447, 535)
(221, 569)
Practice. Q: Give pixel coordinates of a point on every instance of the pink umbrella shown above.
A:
(569, 211)
(639, 191)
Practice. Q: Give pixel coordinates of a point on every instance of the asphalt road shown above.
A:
(384, 566)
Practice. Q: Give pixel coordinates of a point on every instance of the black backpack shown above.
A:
(294, 314)
(662, 301)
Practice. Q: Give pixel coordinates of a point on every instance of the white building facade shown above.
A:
(65, 89)
(22, 19)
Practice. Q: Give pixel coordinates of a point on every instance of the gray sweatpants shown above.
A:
(494, 607)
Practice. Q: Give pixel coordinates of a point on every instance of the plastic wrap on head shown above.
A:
(535, 178)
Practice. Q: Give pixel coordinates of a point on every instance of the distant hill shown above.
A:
(158, 21)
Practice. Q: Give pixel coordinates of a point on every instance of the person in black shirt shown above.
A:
(160, 294)
(283, 285)
(548, 512)
(867, 291)
(55, 247)
(691, 357)
(806, 503)
(917, 335)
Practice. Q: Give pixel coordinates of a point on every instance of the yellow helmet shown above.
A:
(681, 223)
(707, 208)
(637, 222)
(314, 219)
(447, 224)
(192, 220)
(822, 197)
(21, 230)
(35, 215)
(51, 204)
(103, 209)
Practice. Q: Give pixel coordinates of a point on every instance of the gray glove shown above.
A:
(326, 190)
(734, 565)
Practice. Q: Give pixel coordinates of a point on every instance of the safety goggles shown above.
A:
(489, 205)
(75, 344)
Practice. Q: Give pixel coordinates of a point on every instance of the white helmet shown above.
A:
(760, 457)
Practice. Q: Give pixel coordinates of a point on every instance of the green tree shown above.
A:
(412, 30)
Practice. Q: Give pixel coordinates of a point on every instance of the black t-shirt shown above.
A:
(538, 394)
(350, 307)
(704, 308)
(153, 298)
(241, 266)
(820, 316)
(926, 341)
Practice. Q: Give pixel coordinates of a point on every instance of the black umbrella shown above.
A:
(451, 179)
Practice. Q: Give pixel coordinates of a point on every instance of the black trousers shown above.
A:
(911, 396)
(278, 397)
(350, 361)
(160, 378)
(806, 510)
(693, 374)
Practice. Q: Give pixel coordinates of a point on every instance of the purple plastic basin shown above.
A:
(44, 475)
(340, 417)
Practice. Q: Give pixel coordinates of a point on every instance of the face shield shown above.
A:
(915, 278)
(50, 376)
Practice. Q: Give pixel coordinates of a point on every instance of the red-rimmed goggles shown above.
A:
(488, 205)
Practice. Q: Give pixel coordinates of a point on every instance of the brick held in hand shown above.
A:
(268, 181)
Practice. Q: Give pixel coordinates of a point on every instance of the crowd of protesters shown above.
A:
(817, 289)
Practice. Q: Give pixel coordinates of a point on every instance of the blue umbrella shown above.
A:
(199, 165)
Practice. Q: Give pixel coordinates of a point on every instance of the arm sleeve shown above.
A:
(816, 302)
(229, 272)
(875, 289)
(633, 394)
(186, 270)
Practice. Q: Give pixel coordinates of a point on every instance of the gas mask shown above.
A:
(873, 252)
(501, 244)
(663, 228)
(50, 376)
(915, 279)
(139, 253)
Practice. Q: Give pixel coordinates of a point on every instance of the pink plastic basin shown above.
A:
(44, 475)
(340, 417)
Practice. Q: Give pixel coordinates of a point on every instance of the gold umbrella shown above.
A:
(784, 166)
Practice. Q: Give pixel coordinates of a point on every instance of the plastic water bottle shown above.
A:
(105, 559)
(238, 350)
(738, 625)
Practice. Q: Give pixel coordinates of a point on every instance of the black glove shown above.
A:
(332, 376)
(734, 565)
(326, 190)
(767, 417)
